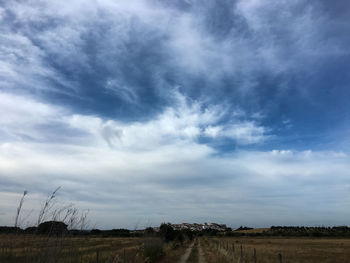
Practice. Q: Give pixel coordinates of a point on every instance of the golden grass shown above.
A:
(20, 248)
(267, 249)
(41, 249)
(30, 249)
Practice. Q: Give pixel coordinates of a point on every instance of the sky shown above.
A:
(151, 111)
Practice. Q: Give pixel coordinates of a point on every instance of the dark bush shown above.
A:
(149, 231)
(189, 234)
(167, 232)
(153, 249)
(243, 228)
(31, 230)
(52, 228)
(9, 229)
(95, 232)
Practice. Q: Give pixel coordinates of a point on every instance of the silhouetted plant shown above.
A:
(19, 208)
(52, 228)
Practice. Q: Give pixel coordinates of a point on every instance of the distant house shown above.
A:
(199, 227)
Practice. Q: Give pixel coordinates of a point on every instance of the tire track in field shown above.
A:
(201, 258)
(187, 254)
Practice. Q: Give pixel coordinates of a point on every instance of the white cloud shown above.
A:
(178, 179)
(158, 169)
(23, 117)
(213, 131)
(185, 122)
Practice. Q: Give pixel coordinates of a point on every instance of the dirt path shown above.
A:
(187, 254)
(201, 258)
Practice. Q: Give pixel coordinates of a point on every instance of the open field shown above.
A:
(272, 249)
(30, 249)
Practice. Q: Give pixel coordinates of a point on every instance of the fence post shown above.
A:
(124, 256)
(241, 251)
(233, 247)
(254, 255)
(280, 257)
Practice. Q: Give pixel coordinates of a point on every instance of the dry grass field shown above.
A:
(28, 248)
(292, 250)
(39, 249)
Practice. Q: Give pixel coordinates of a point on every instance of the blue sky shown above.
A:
(182, 111)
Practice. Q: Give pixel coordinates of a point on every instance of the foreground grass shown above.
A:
(28, 248)
(41, 249)
(173, 252)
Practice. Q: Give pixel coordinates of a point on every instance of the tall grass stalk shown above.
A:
(47, 206)
(19, 208)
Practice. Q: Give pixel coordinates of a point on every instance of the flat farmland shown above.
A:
(68, 249)
(34, 249)
(276, 249)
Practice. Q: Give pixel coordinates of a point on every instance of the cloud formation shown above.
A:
(126, 168)
(236, 109)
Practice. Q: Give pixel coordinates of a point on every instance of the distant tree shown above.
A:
(95, 232)
(9, 229)
(167, 232)
(149, 231)
(120, 232)
(30, 230)
(190, 234)
(209, 232)
(243, 228)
